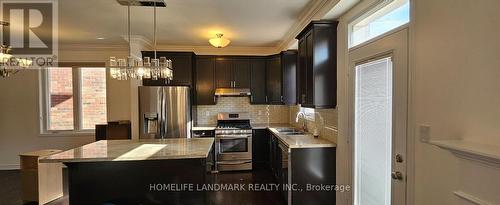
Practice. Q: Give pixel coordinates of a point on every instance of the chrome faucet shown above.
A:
(304, 122)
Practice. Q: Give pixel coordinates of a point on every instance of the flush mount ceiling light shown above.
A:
(131, 68)
(219, 41)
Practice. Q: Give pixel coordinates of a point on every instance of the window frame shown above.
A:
(376, 6)
(44, 90)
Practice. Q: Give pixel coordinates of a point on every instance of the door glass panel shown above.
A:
(373, 133)
(233, 145)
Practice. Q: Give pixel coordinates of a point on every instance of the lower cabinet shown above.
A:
(300, 168)
(260, 148)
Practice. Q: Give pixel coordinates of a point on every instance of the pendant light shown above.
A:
(146, 68)
(8, 64)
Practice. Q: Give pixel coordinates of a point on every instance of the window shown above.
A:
(383, 18)
(73, 99)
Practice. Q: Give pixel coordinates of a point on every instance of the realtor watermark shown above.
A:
(31, 33)
(215, 187)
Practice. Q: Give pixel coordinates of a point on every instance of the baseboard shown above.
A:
(9, 166)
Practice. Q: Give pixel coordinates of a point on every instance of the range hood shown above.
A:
(159, 3)
(232, 92)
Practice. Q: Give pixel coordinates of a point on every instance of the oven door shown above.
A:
(234, 147)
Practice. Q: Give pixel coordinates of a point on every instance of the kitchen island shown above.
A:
(137, 171)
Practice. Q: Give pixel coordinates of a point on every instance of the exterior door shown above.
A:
(378, 120)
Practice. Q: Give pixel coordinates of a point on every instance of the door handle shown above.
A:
(397, 176)
(399, 158)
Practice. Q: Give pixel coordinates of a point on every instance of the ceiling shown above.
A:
(247, 23)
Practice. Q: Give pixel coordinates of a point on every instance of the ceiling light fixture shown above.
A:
(131, 68)
(219, 41)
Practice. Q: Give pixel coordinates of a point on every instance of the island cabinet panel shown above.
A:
(258, 80)
(289, 69)
(274, 80)
(318, 65)
(182, 64)
(205, 80)
(136, 182)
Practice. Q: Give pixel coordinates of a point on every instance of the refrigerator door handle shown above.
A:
(160, 114)
(165, 116)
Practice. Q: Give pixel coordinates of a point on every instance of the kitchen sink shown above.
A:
(292, 133)
(286, 129)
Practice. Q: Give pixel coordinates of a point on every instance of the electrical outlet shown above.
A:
(207, 113)
(424, 133)
(260, 112)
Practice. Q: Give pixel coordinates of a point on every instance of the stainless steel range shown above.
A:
(233, 137)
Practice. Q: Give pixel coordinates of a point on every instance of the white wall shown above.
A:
(457, 92)
(19, 124)
(455, 65)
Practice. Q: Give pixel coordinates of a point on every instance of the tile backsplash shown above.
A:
(322, 120)
(207, 114)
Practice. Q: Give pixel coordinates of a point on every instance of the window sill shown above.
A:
(67, 134)
(485, 153)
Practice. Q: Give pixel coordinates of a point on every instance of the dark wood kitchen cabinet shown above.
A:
(205, 80)
(260, 147)
(274, 80)
(182, 65)
(258, 80)
(289, 76)
(294, 166)
(232, 72)
(241, 72)
(317, 65)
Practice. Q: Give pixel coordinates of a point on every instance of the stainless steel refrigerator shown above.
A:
(164, 112)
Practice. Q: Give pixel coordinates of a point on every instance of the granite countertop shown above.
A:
(201, 127)
(135, 150)
(268, 125)
(301, 141)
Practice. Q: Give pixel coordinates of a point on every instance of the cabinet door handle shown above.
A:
(214, 98)
(234, 84)
(282, 98)
(266, 99)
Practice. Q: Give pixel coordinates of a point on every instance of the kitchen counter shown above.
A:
(134, 150)
(202, 127)
(294, 141)
(302, 141)
(124, 171)
(269, 125)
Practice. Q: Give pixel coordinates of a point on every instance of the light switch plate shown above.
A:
(424, 133)
(207, 113)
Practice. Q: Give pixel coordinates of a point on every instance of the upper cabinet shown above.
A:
(274, 80)
(317, 65)
(205, 80)
(232, 72)
(258, 80)
(182, 64)
(289, 76)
